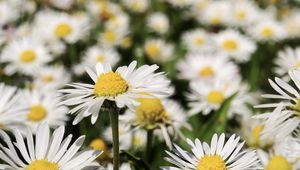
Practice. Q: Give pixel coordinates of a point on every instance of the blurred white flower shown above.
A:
(158, 50)
(158, 22)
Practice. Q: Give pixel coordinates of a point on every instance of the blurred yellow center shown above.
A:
(47, 78)
(230, 45)
(215, 97)
(278, 163)
(199, 40)
(110, 84)
(215, 20)
(42, 165)
(267, 32)
(206, 71)
(62, 30)
(150, 113)
(152, 50)
(28, 56)
(98, 144)
(256, 133)
(100, 58)
(136, 141)
(241, 15)
(211, 162)
(37, 113)
(109, 36)
(297, 64)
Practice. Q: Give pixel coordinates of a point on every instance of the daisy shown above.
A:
(65, 4)
(292, 24)
(100, 145)
(207, 97)
(98, 54)
(103, 10)
(235, 45)
(219, 155)
(163, 115)
(286, 93)
(267, 30)
(158, 50)
(11, 114)
(112, 37)
(51, 78)
(211, 17)
(287, 59)
(42, 107)
(206, 67)
(137, 6)
(9, 12)
(24, 56)
(158, 22)
(198, 40)
(122, 86)
(45, 152)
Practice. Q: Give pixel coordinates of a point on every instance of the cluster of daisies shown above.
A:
(182, 78)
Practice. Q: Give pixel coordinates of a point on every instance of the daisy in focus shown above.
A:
(235, 45)
(219, 155)
(24, 56)
(45, 151)
(43, 108)
(122, 87)
(287, 59)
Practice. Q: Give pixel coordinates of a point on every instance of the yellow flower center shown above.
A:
(199, 40)
(215, 97)
(47, 78)
(297, 64)
(230, 45)
(152, 50)
(100, 58)
(62, 30)
(267, 32)
(206, 71)
(110, 36)
(278, 163)
(126, 42)
(28, 56)
(215, 20)
(136, 141)
(98, 144)
(110, 84)
(37, 113)
(256, 133)
(241, 15)
(211, 162)
(150, 113)
(42, 165)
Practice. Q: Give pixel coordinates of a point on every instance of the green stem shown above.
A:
(114, 119)
(149, 145)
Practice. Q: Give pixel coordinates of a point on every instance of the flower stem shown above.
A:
(114, 119)
(148, 145)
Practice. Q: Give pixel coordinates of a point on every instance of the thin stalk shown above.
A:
(149, 145)
(114, 120)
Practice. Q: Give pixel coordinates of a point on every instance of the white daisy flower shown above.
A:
(287, 59)
(219, 155)
(164, 115)
(112, 37)
(120, 22)
(24, 56)
(198, 40)
(206, 97)
(267, 30)
(97, 54)
(158, 50)
(45, 152)
(62, 4)
(137, 6)
(215, 13)
(206, 67)
(158, 22)
(292, 24)
(51, 78)
(275, 160)
(235, 45)
(243, 13)
(8, 12)
(11, 114)
(43, 107)
(122, 86)
(104, 10)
